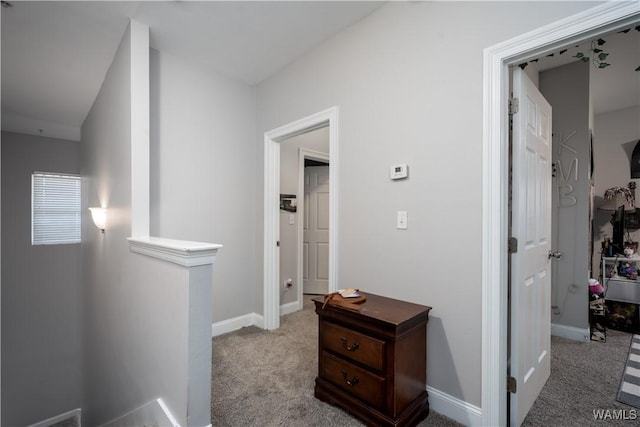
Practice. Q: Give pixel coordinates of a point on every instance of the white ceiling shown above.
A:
(55, 54)
(616, 86)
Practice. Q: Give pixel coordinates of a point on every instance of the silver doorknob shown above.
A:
(555, 255)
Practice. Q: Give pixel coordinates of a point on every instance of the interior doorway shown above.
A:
(300, 211)
(315, 234)
(309, 158)
(271, 251)
(574, 89)
(575, 29)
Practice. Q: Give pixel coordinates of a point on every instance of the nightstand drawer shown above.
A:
(354, 345)
(357, 381)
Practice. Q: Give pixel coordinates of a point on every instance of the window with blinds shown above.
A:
(55, 208)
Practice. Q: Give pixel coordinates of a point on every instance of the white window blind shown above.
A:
(55, 208)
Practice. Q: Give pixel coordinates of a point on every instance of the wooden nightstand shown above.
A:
(373, 362)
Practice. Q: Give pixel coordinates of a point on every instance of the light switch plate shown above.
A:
(402, 220)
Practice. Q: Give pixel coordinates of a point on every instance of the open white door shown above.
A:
(316, 230)
(530, 333)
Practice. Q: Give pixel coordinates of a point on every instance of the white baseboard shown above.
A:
(153, 413)
(230, 325)
(167, 413)
(570, 332)
(291, 307)
(251, 319)
(50, 421)
(454, 408)
(258, 320)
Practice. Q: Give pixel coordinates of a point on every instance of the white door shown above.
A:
(530, 333)
(316, 230)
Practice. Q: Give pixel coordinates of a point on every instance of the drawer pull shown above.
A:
(348, 347)
(353, 381)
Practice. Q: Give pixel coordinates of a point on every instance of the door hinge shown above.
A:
(514, 106)
(512, 245)
(511, 385)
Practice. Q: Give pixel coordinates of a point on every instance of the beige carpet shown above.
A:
(266, 378)
(584, 378)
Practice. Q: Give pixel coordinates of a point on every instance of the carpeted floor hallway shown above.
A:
(585, 376)
(266, 378)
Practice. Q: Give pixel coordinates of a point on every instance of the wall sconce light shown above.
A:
(99, 216)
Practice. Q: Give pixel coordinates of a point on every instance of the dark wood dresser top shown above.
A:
(382, 309)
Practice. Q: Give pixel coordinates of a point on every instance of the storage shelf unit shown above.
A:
(620, 288)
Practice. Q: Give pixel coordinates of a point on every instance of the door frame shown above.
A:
(305, 153)
(575, 29)
(271, 260)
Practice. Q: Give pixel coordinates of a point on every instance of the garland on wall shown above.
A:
(596, 53)
(611, 193)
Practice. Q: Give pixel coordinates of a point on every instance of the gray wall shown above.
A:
(567, 90)
(408, 81)
(203, 171)
(41, 292)
(136, 308)
(318, 140)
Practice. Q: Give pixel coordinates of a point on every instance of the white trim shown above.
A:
(258, 320)
(304, 153)
(154, 412)
(570, 332)
(77, 413)
(230, 325)
(574, 29)
(167, 413)
(251, 319)
(271, 290)
(454, 408)
(181, 252)
(271, 295)
(289, 308)
(140, 145)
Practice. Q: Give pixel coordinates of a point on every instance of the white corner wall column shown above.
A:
(575, 29)
(154, 292)
(140, 163)
(198, 259)
(195, 257)
(271, 289)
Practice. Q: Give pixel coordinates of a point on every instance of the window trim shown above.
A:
(67, 229)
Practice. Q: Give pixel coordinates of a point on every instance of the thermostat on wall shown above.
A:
(399, 171)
